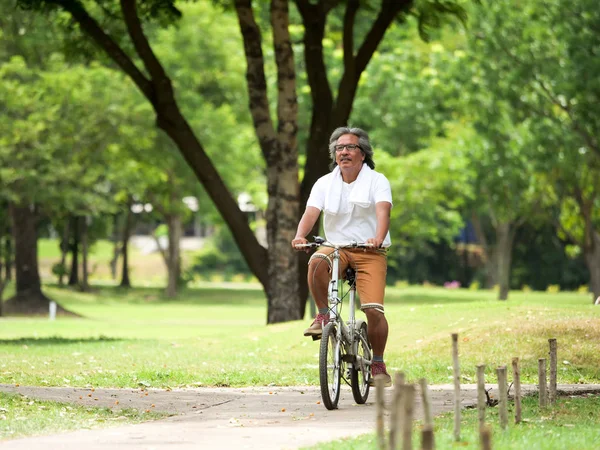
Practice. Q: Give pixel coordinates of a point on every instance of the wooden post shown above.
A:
(427, 439)
(426, 398)
(456, 386)
(542, 382)
(502, 397)
(553, 370)
(485, 437)
(481, 398)
(517, 383)
(408, 402)
(379, 408)
(396, 416)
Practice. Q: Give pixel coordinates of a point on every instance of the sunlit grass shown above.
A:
(217, 337)
(23, 416)
(571, 424)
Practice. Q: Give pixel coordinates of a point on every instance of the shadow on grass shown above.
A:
(55, 340)
(155, 295)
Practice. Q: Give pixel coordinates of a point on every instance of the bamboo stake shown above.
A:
(396, 412)
(502, 397)
(553, 369)
(408, 402)
(426, 398)
(379, 407)
(427, 438)
(481, 402)
(542, 382)
(485, 436)
(517, 383)
(456, 386)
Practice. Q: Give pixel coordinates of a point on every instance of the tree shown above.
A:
(278, 268)
(538, 60)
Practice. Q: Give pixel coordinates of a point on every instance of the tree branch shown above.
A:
(255, 76)
(349, 82)
(348, 39)
(287, 103)
(117, 54)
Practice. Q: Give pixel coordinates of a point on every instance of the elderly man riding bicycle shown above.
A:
(356, 202)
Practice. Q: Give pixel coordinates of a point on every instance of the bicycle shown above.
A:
(345, 350)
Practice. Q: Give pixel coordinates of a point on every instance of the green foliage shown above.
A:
(60, 270)
(220, 255)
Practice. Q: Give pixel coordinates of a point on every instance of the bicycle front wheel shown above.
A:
(330, 361)
(360, 373)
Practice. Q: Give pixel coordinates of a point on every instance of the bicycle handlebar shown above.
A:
(319, 241)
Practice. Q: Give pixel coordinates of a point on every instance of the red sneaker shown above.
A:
(378, 370)
(316, 328)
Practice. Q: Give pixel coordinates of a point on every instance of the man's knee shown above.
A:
(372, 308)
(319, 263)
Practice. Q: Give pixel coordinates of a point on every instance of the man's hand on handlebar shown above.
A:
(376, 243)
(300, 241)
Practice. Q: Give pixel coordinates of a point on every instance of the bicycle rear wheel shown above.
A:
(330, 362)
(360, 373)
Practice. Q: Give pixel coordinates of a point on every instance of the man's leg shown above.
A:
(318, 279)
(319, 267)
(377, 330)
(371, 275)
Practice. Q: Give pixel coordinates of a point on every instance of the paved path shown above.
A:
(253, 418)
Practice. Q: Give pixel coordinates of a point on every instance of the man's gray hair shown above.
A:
(363, 143)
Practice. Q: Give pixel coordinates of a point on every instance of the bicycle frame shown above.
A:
(345, 332)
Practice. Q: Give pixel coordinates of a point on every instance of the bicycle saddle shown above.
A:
(350, 275)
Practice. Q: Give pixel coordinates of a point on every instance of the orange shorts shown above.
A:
(370, 267)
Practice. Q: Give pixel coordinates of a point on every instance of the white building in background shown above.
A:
(148, 244)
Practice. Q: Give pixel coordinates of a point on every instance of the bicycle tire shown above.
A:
(359, 377)
(330, 365)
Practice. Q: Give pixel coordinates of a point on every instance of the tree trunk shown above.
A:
(2, 285)
(279, 147)
(8, 258)
(64, 249)
(125, 282)
(174, 255)
(84, 254)
(488, 255)
(592, 259)
(5, 245)
(505, 236)
(74, 275)
(116, 247)
(29, 298)
(282, 216)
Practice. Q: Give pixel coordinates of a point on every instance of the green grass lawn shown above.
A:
(21, 416)
(215, 335)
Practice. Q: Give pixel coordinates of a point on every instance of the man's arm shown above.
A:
(307, 222)
(382, 212)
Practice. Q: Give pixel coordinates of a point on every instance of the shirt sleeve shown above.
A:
(317, 194)
(383, 190)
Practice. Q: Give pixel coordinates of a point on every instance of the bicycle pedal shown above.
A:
(316, 338)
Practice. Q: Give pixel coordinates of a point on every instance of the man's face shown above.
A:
(345, 157)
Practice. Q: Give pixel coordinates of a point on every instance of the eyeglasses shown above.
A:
(351, 147)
